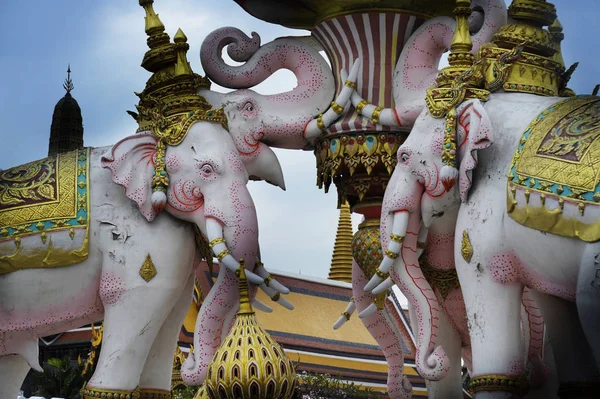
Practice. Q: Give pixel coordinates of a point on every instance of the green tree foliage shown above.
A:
(324, 386)
(184, 393)
(61, 378)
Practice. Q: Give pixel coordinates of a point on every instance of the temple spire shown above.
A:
(68, 85)
(341, 261)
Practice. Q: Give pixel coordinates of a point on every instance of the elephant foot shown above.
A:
(94, 393)
(499, 386)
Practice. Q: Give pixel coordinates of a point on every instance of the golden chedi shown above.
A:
(249, 364)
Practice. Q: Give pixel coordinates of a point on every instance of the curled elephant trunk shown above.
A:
(283, 116)
(431, 361)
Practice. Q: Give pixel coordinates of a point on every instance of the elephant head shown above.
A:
(257, 121)
(205, 184)
(414, 197)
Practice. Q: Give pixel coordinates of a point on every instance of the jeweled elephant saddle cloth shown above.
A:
(44, 212)
(558, 160)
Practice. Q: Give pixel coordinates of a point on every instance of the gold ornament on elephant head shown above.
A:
(169, 104)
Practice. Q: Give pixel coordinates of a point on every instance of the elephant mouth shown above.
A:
(253, 142)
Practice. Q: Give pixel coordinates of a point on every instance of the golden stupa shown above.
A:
(249, 363)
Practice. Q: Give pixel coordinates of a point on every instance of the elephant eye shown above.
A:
(248, 107)
(404, 157)
(206, 169)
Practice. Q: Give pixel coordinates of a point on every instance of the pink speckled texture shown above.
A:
(131, 164)
(506, 268)
(277, 119)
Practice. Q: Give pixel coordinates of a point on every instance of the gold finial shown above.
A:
(245, 306)
(249, 363)
(557, 36)
(68, 85)
(154, 27)
(341, 260)
(461, 41)
(460, 58)
(182, 67)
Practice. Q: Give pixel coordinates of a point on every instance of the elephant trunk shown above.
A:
(383, 329)
(234, 231)
(431, 361)
(288, 112)
(418, 64)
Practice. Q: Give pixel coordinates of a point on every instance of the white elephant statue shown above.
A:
(546, 244)
(82, 238)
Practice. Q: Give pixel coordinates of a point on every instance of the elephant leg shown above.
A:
(13, 370)
(494, 315)
(450, 386)
(588, 297)
(132, 322)
(573, 358)
(157, 371)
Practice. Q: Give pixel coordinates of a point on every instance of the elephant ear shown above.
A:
(474, 134)
(131, 162)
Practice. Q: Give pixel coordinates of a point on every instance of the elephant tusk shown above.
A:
(261, 306)
(383, 287)
(269, 280)
(276, 297)
(350, 309)
(338, 107)
(214, 232)
(393, 249)
(421, 240)
(368, 311)
(377, 115)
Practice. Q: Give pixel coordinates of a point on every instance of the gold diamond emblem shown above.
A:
(466, 249)
(148, 270)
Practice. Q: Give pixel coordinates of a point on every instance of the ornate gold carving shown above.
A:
(100, 393)
(178, 360)
(346, 315)
(341, 259)
(43, 197)
(444, 280)
(249, 363)
(365, 160)
(558, 156)
(500, 382)
(350, 84)
(148, 270)
(466, 249)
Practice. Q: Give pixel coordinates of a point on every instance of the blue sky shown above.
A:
(104, 41)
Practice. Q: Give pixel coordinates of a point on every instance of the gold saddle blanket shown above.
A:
(44, 212)
(558, 157)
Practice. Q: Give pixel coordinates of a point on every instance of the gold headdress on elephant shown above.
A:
(523, 57)
(169, 104)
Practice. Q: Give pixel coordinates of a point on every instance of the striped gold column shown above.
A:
(341, 261)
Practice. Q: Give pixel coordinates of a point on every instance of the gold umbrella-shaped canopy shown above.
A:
(305, 14)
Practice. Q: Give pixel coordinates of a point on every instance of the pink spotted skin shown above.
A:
(276, 120)
(382, 327)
